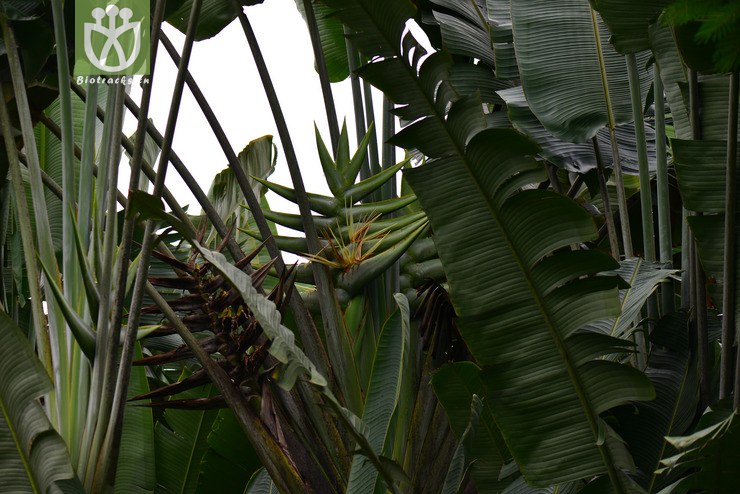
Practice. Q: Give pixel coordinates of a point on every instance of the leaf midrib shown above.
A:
(18, 447)
(562, 350)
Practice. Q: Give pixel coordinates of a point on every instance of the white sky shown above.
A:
(224, 70)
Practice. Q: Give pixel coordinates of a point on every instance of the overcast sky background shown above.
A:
(224, 70)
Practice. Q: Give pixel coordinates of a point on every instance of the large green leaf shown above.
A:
(261, 483)
(710, 455)
(700, 167)
(33, 457)
(629, 21)
(673, 75)
(382, 393)
(455, 385)
(576, 157)
(713, 93)
(520, 300)
(136, 468)
(230, 460)
(214, 15)
(465, 29)
(333, 42)
(181, 442)
(643, 278)
(257, 160)
(562, 72)
(673, 372)
(520, 295)
(478, 30)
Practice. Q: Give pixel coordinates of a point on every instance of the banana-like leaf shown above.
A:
(643, 279)
(469, 79)
(35, 458)
(713, 94)
(710, 455)
(579, 158)
(465, 29)
(480, 30)
(181, 442)
(258, 161)
(673, 372)
(261, 483)
(457, 472)
(520, 486)
(520, 294)
(136, 472)
(519, 304)
(568, 67)
(700, 167)
(214, 15)
(629, 21)
(333, 42)
(673, 75)
(499, 18)
(230, 461)
(382, 394)
(455, 385)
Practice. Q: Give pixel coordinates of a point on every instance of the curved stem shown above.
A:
(665, 239)
(56, 331)
(318, 53)
(309, 336)
(335, 330)
(646, 199)
(357, 103)
(618, 179)
(699, 277)
(729, 309)
(116, 386)
(610, 227)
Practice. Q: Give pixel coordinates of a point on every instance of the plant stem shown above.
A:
(129, 146)
(646, 200)
(370, 123)
(23, 218)
(729, 314)
(56, 327)
(345, 372)
(686, 271)
(389, 150)
(106, 226)
(318, 53)
(357, 103)
(87, 159)
(618, 179)
(664, 202)
(699, 277)
(120, 390)
(129, 220)
(70, 270)
(609, 217)
(388, 191)
(306, 327)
